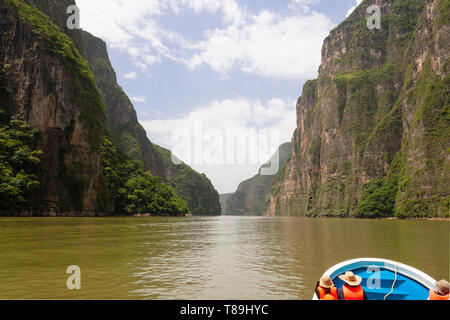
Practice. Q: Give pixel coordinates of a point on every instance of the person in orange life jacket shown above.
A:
(352, 289)
(325, 289)
(440, 292)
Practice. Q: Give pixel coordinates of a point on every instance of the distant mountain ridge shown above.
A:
(251, 196)
(223, 201)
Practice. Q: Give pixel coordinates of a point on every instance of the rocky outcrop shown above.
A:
(120, 120)
(194, 188)
(372, 134)
(191, 186)
(121, 115)
(251, 196)
(53, 90)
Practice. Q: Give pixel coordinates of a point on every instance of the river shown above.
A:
(202, 257)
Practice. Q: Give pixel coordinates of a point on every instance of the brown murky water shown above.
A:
(202, 257)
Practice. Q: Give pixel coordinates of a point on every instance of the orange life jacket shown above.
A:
(435, 296)
(327, 294)
(353, 293)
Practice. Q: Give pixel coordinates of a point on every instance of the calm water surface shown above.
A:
(202, 258)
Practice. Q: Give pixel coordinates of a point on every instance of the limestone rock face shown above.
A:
(193, 187)
(74, 107)
(52, 89)
(373, 131)
(122, 119)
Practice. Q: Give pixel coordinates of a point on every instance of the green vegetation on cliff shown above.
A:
(134, 190)
(94, 104)
(19, 165)
(424, 190)
(59, 44)
(38, 55)
(369, 93)
(374, 138)
(194, 188)
(82, 172)
(378, 195)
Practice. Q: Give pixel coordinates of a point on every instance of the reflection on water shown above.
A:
(202, 258)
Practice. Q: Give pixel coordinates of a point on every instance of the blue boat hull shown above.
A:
(385, 279)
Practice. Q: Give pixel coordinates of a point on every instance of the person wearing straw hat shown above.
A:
(441, 291)
(325, 289)
(352, 289)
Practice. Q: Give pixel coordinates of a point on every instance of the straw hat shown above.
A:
(442, 287)
(350, 279)
(325, 281)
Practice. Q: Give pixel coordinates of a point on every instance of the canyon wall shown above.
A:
(61, 82)
(373, 130)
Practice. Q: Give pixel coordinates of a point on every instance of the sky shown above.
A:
(215, 81)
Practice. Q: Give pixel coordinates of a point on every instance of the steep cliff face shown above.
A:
(122, 121)
(52, 89)
(373, 131)
(251, 196)
(121, 115)
(193, 187)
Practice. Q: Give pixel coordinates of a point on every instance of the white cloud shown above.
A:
(138, 99)
(120, 22)
(203, 136)
(357, 3)
(268, 45)
(114, 20)
(141, 65)
(230, 9)
(261, 43)
(265, 43)
(131, 75)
